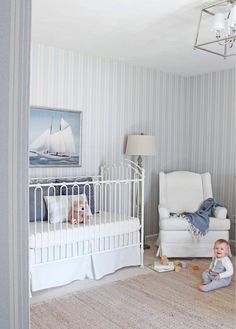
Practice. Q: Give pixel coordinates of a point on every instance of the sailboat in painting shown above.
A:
(55, 145)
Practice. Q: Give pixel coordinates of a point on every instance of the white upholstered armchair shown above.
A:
(183, 191)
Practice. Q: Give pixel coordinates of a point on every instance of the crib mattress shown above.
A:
(104, 224)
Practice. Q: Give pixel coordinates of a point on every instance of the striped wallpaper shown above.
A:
(210, 127)
(118, 99)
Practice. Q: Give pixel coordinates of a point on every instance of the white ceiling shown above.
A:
(154, 33)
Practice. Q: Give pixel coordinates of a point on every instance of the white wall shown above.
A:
(116, 99)
(14, 102)
(185, 114)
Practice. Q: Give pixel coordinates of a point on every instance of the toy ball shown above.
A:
(195, 267)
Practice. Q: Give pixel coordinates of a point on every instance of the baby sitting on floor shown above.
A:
(220, 272)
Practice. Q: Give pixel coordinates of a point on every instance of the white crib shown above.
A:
(108, 237)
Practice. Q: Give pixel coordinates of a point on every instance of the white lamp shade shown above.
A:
(219, 22)
(140, 145)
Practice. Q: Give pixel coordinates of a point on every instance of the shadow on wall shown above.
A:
(151, 204)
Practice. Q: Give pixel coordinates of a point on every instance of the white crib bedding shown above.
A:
(103, 224)
(57, 273)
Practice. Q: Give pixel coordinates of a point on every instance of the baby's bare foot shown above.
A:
(200, 286)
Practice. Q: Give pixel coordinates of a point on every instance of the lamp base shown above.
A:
(140, 161)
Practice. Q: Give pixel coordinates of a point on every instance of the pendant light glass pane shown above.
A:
(219, 22)
(233, 17)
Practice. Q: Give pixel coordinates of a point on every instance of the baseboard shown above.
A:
(151, 236)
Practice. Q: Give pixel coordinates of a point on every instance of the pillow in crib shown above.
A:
(85, 188)
(37, 206)
(59, 206)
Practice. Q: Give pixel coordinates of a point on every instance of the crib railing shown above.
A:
(77, 216)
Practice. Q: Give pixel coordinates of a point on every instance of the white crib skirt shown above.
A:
(60, 265)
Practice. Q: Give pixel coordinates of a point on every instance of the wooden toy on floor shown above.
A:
(177, 269)
(180, 264)
(164, 260)
(195, 267)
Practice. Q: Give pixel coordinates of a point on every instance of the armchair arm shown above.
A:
(220, 212)
(163, 212)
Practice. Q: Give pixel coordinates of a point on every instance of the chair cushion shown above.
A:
(184, 191)
(181, 224)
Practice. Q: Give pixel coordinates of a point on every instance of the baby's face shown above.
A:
(221, 250)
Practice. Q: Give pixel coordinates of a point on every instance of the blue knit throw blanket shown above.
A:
(199, 220)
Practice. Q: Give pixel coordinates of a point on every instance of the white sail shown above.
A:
(60, 143)
(41, 143)
(56, 143)
(64, 124)
(68, 137)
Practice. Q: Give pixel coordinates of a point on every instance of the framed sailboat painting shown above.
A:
(54, 137)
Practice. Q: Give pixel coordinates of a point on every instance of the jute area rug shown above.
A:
(155, 300)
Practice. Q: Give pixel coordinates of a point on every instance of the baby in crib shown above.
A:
(220, 272)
